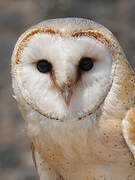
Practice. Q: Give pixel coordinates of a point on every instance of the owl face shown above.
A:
(61, 76)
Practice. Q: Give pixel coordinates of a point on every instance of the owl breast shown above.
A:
(81, 151)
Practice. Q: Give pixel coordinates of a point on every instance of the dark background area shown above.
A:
(15, 17)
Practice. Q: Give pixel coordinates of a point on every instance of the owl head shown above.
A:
(67, 69)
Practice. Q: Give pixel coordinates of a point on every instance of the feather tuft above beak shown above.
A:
(67, 94)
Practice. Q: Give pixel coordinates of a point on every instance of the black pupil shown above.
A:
(44, 66)
(86, 64)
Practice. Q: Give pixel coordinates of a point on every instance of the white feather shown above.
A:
(64, 55)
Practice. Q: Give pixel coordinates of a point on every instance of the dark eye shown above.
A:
(44, 66)
(86, 64)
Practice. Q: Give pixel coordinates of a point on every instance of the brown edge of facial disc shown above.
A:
(25, 38)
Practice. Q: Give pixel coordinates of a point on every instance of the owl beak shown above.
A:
(67, 94)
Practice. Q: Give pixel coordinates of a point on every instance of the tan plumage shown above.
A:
(82, 124)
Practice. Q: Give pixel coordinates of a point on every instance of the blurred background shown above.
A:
(15, 17)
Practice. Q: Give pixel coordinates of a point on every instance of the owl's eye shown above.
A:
(44, 66)
(86, 64)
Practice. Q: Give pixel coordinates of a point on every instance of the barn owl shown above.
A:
(76, 92)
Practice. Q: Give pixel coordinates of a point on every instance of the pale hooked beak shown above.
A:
(67, 93)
